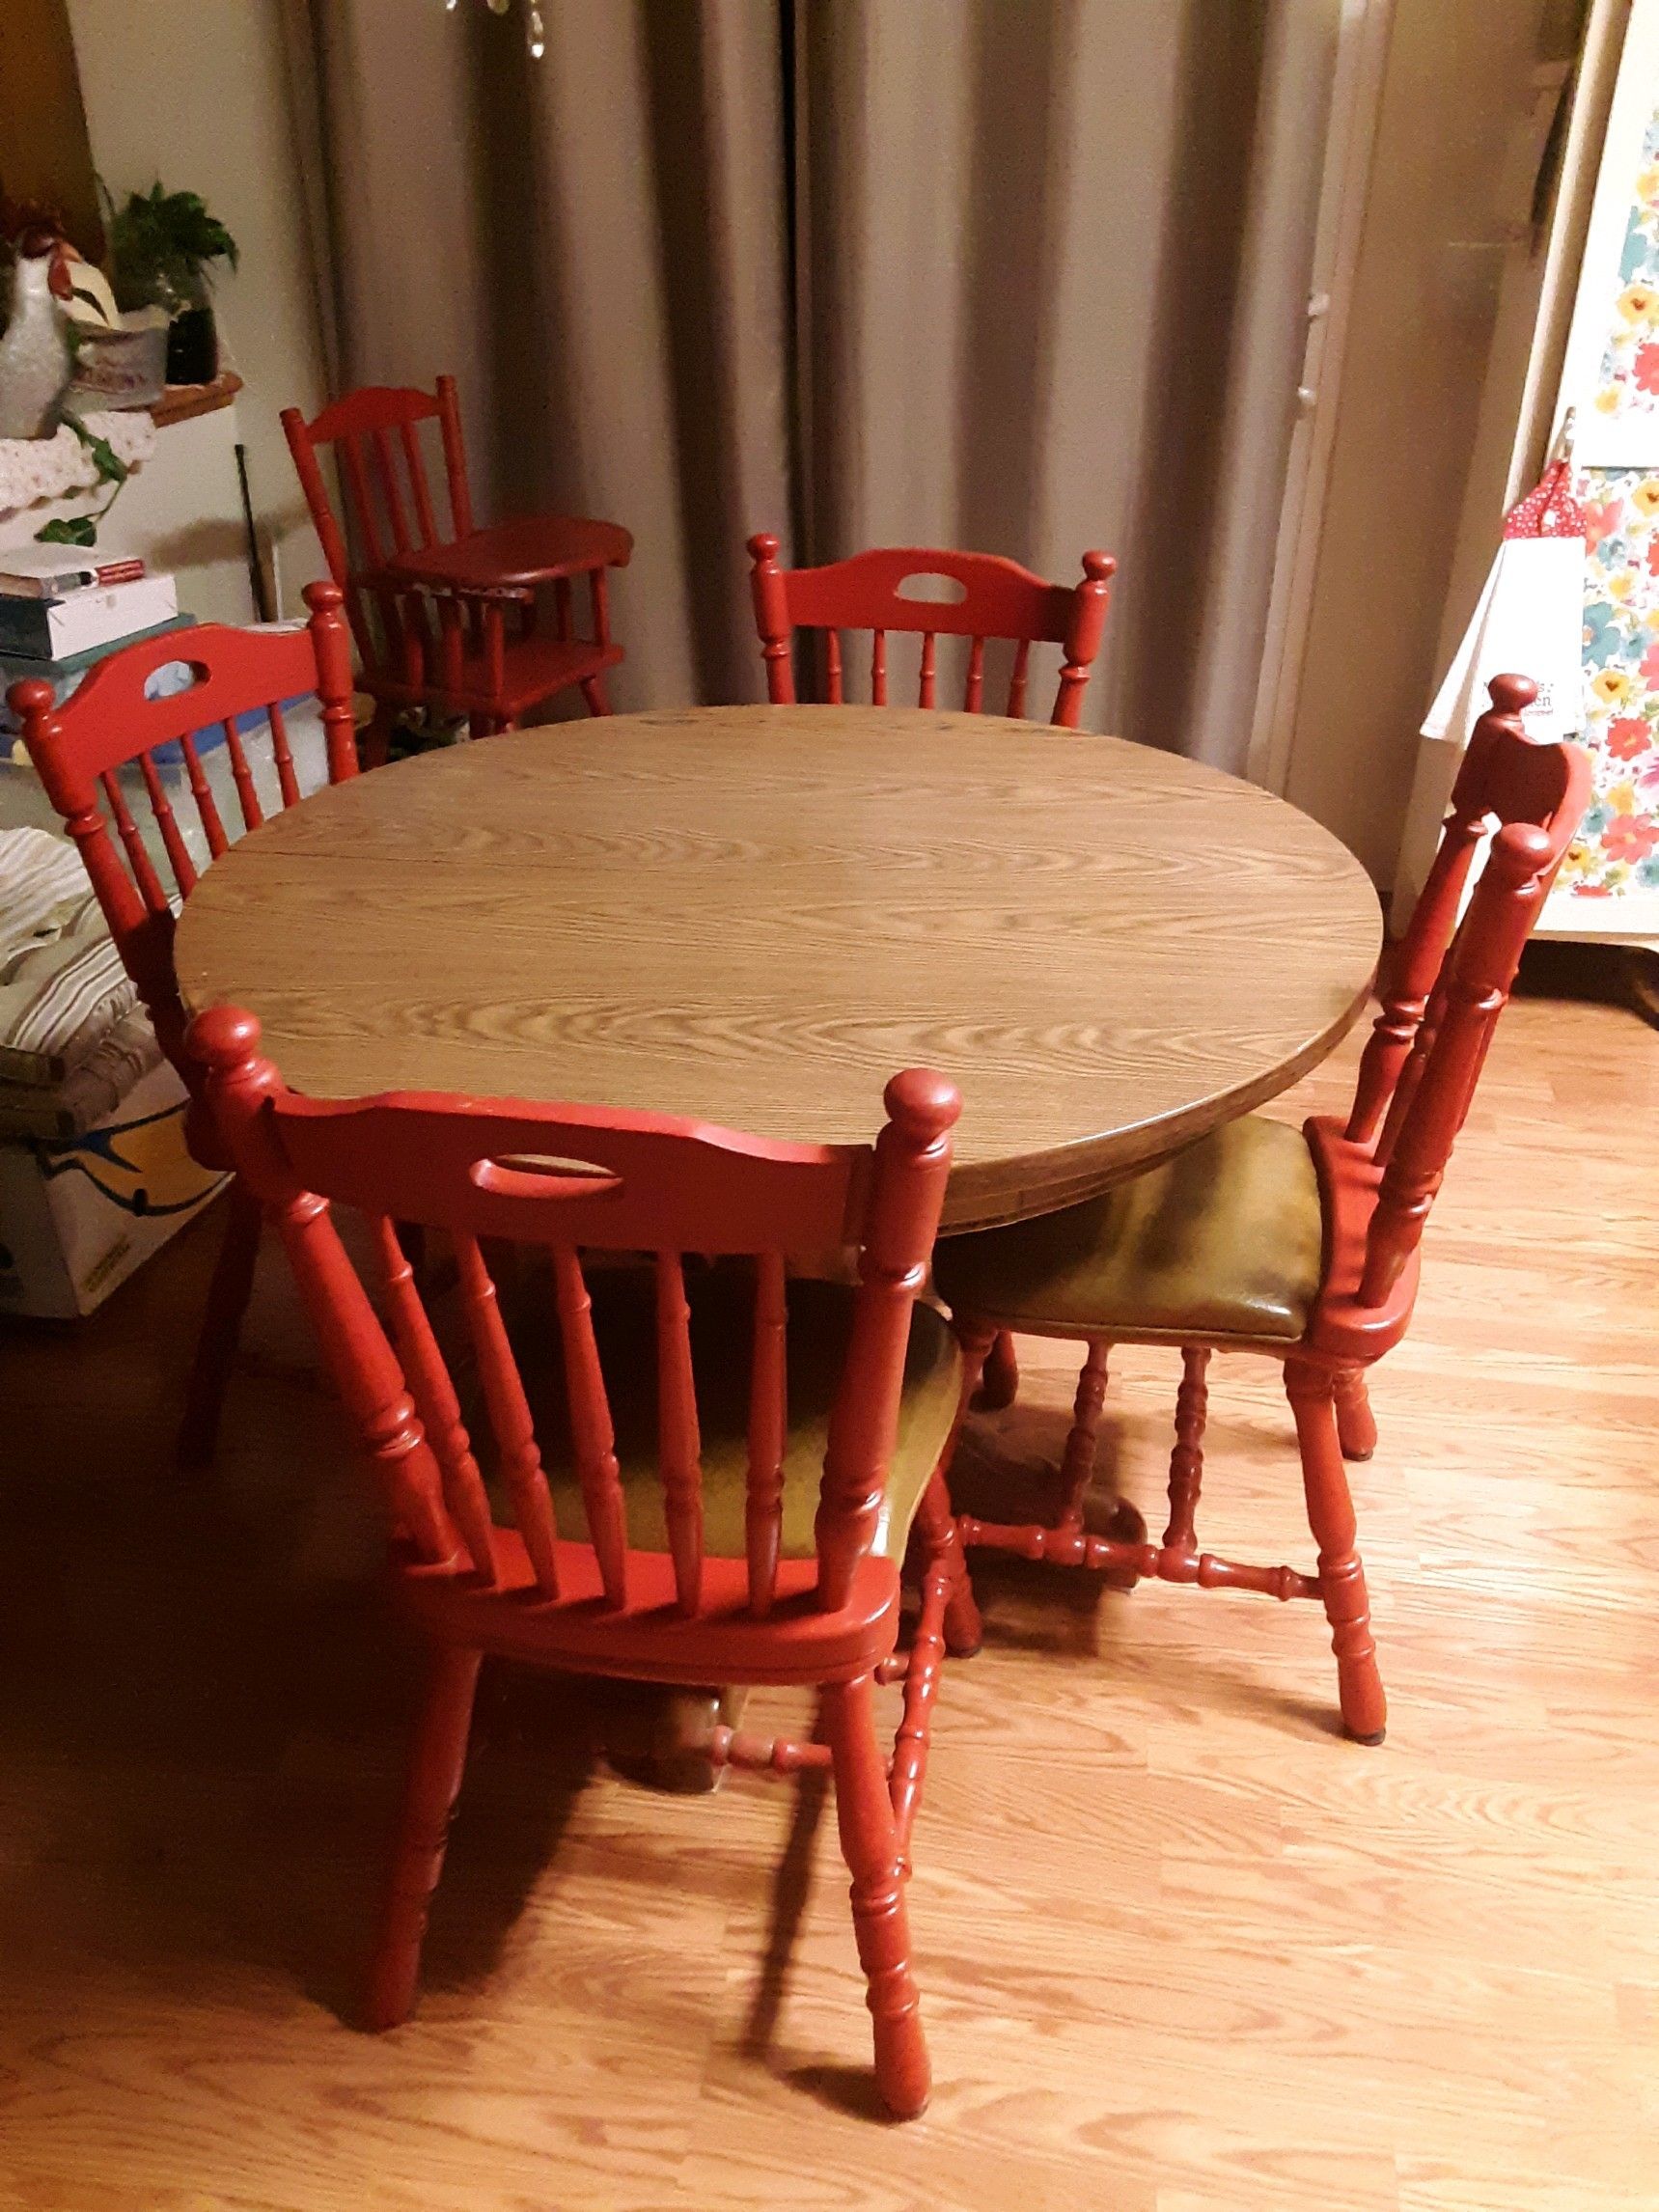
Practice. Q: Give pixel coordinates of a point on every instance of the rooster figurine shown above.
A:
(36, 365)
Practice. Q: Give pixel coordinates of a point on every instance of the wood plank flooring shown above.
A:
(1181, 1948)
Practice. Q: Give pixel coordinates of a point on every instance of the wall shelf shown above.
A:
(179, 402)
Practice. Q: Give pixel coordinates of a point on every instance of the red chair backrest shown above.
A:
(1000, 600)
(570, 1178)
(109, 724)
(1449, 980)
(389, 507)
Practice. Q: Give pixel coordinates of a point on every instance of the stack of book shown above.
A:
(63, 607)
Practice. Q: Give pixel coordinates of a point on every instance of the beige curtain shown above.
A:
(950, 271)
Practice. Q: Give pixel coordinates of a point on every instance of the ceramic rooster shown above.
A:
(36, 364)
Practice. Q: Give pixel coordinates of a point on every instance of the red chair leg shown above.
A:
(594, 692)
(429, 1790)
(1077, 1465)
(921, 1686)
(998, 1378)
(937, 1523)
(1342, 1578)
(870, 1844)
(1186, 1461)
(1356, 1428)
(228, 1295)
(377, 737)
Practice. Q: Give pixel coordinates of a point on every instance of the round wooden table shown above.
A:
(755, 914)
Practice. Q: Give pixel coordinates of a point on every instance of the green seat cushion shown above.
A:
(722, 1300)
(1225, 1239)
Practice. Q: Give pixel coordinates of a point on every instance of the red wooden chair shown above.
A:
(81, 750)
(710, 1477)
(1298, 1244)
(429, 610)
(1000, 600)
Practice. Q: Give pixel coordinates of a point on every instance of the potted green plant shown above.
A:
(161, 245)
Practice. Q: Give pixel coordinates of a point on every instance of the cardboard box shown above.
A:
(76, 1218)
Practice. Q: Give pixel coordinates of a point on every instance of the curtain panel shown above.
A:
(1025, 276)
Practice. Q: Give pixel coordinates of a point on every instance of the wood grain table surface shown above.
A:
(754, 915)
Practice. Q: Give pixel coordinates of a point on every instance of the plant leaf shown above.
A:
(111, 468)
(68, 530)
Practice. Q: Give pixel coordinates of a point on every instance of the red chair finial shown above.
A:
(922, 1103)
(1511, 694)
(764, 545)
(224, 1036)
(1521, 852)
(1099, 567)
(324, 597)
(32, 696)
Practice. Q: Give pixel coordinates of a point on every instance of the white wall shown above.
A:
(193, 92)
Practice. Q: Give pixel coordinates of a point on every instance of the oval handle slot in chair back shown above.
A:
(541, 1176)
(931, 588)
(162, 680)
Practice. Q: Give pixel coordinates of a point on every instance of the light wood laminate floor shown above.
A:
(1180, 1947)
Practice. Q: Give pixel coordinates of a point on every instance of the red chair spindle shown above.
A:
(434, 1396)
(592, 1437)
(360, 502)
(330, 536)
(878, 668)
(510, 1417)
(974, 697)
(601, 590)
(243, 776)
(679, 1442)
(1411, 972)
(929, 689)
(833, 694)
(392, 499)
(1017, 681)
(310, 473)
(769, 1429)
(367, 1376)
(287, 783)
(455, 456)
(416, 467)
(218, 843)
(172, 836)
(143, 874)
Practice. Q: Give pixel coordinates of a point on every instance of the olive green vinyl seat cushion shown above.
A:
(722, 1302)
(1223, 1240)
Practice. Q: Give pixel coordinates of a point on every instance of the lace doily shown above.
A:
(58, 467)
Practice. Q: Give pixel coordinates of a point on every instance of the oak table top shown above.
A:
(754, 915)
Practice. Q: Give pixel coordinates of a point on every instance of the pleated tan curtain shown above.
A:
(862, 271)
